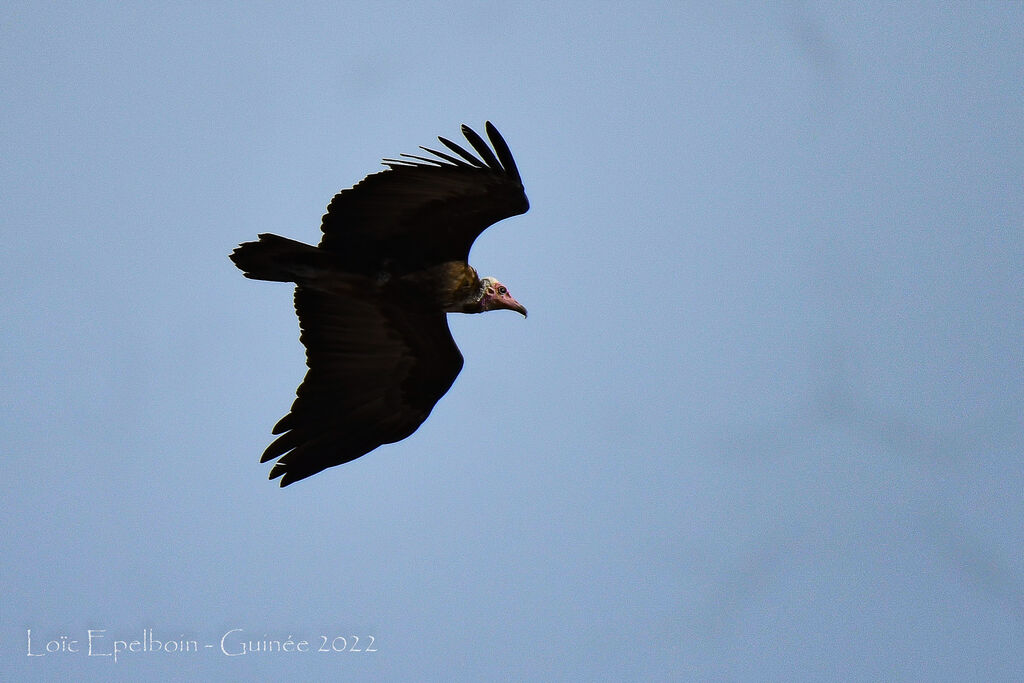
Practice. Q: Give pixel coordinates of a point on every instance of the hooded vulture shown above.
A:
(373, 298)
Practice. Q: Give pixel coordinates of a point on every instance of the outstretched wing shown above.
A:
(424, 211)
(376, 370)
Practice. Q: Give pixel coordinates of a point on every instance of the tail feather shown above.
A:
(277, 259)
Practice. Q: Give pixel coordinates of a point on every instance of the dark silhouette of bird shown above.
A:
(373, 298)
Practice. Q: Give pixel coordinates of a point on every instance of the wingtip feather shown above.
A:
(461, 151)
(508, 162)
(481, 147)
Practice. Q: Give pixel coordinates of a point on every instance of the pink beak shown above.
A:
(514, 305)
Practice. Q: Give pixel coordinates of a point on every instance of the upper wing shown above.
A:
(423, 211)
(376, 370)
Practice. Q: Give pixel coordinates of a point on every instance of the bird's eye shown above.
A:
(502, 290)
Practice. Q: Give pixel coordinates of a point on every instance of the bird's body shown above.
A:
(373, 298)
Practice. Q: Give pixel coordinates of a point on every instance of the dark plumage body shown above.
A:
(373, 298)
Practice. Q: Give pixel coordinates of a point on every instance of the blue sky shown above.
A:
(762, 422)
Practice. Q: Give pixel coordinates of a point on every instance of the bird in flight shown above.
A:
(373, 298)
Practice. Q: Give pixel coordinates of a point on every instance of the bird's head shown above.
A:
(496, 296)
